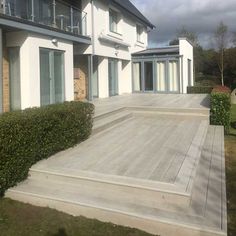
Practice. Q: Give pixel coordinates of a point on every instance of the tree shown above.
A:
(184, 33)
(221, 42)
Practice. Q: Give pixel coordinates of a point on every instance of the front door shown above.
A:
(113, 77)
(51, 77)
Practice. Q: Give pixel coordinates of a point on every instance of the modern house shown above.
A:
(53, 51)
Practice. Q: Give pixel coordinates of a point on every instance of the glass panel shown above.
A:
(113, 77)
(148, 76)
(43, 12)
(15, 83)
(161, 77)
(95, 76)
(45, 77)
(59, 77)
(173, 76)
(137, 79)
(63, 16)
(18, 8)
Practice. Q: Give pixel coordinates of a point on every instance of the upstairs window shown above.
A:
(139, 30)
(113, 21)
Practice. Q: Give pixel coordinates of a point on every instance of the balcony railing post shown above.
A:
(54, 13)
(71, 19)
(32, 10)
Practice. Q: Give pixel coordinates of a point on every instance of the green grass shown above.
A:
(19, 219)
(230, 155)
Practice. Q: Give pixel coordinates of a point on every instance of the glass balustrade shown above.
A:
(56, 14)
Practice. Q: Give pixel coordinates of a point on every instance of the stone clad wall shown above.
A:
(80, 77)
(6, 79)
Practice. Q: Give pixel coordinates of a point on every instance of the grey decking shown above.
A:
(157, 148)
(152, 164)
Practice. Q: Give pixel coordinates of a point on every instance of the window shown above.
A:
(139, 30)
(113, 20)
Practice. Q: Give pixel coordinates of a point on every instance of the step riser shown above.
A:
(181, 111)
(142, 196)
(150, 225)
(108, 114)
(110, 124)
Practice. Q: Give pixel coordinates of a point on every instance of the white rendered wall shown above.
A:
(30, 45)
(103, 84)
(186, 51)
(125, 81)
(127, 34)
(126, 30)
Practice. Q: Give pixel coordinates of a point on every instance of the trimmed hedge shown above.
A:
(199, 89)
(35, 134)
(220, 107)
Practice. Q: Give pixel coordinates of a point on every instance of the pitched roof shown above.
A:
(128, 6)
(158, 51)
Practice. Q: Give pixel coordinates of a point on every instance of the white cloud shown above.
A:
(199, 16)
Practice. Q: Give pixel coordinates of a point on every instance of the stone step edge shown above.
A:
(214, 231)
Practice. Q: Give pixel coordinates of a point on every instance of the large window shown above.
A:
(113, 21)
(173, 76)
(15, 83)
(161, 76)
(51, 77)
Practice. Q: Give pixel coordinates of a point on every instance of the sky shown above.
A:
(199, 16)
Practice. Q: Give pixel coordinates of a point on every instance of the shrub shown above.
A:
(199, 89)
(34, 134)
(220, 107)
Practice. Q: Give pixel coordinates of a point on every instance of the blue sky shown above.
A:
(199, 16)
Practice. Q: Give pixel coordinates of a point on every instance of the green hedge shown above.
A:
(34, 134)
(220, 107)
(199, 89)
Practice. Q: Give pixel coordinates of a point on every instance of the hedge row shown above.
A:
(199, 89)
(220, 107)
(34, 134)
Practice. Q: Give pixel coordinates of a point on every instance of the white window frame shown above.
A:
(113, 21)
(139, 33)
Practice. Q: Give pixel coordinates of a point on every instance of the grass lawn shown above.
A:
(230, 152)
(18, 219)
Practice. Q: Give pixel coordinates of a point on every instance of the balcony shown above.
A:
(52, 13)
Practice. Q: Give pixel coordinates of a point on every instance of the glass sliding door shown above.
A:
(14, 74)
(148, 76)
(161, 85)
(173, 76)
(51, 77)
(58, 79)
(113, 77)
(137, 77)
